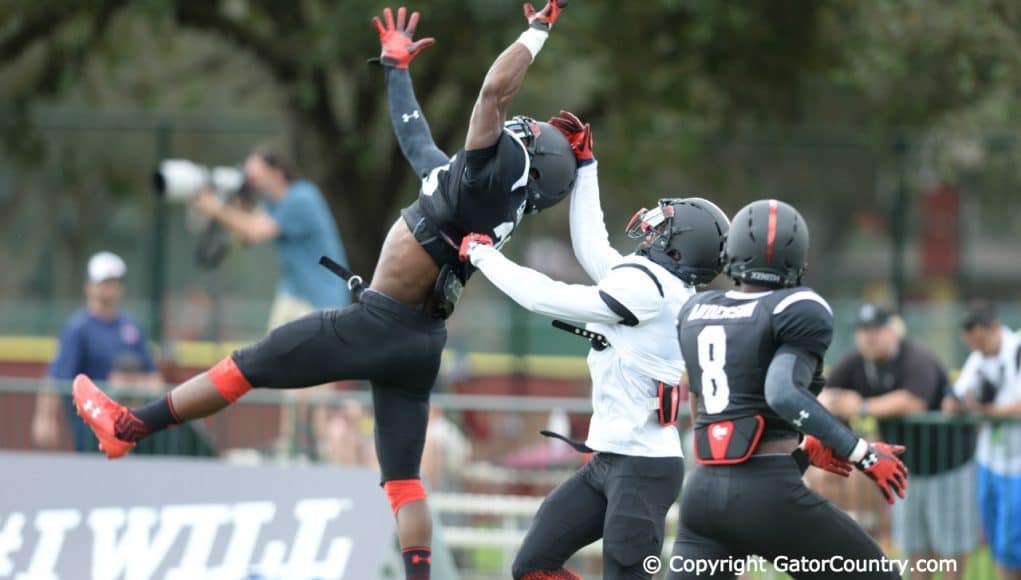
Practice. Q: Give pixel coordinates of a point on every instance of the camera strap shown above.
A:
(354, 282)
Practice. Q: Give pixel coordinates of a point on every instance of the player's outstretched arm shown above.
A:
(538, 293)
(589, 238)
(506, 75)
(407, 118)
(786, 390)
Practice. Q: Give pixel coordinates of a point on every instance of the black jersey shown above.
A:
(728, 340)
(481, 191)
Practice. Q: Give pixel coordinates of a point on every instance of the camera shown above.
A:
(178, 180)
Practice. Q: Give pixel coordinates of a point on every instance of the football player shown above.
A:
(754, 360)
(623, 494)
(395, 334)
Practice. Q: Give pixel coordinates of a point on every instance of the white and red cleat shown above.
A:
(101, 414)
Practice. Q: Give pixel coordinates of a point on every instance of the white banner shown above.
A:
(76, 516)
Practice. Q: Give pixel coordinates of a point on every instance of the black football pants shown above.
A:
(761, 507)
(394, 346)
(620, 498)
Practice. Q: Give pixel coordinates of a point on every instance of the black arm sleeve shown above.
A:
(787, 381)
(804, 330)
(409, 124)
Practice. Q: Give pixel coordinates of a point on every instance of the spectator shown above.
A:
(348, 439)
(298, 220)
(92, 342)
(888, 378)
(990, 387)
(295, 216)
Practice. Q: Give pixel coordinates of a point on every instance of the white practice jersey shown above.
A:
(634, 303)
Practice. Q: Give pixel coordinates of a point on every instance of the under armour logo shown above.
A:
(408, 117)
(720, 431)
(416, 560)
(92, 409)
(802, 415)
(869, 460)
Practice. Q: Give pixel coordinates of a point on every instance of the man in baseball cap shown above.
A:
(91, 342)
(888, 377)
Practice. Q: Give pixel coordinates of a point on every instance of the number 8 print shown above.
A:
(712, 356)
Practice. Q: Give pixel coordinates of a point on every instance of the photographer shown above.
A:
(295, 216)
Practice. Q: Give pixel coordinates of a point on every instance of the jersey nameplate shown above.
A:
(717, 312)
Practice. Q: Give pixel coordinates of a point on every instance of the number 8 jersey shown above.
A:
(728, 340)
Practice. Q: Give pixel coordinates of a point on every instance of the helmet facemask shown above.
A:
(666, 237)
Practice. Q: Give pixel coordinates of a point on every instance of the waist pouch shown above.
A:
(668, 398)
(728, 442)
(448, 289)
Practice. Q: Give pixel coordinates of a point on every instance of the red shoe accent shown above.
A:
(100, 413)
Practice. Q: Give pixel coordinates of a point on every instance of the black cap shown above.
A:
(978, 313)
(873, 316)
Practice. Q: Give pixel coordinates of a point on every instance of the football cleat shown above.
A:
(101, 414)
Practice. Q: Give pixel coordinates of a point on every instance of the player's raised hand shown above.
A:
(578, 134)
(822, 457)
(544, 19)
(398, 48)
(470, 242)
(883, 466)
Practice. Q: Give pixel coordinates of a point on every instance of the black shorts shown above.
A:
(378, 339)
(621, 498)
(761, 507)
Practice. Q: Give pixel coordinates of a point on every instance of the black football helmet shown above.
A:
(685, 236)
(767, 245)
(551, 175)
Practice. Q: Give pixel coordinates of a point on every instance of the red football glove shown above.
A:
(544, 19)
(398, 48)
(578, 134)
(883, 466)
(470, 241)
(822, 457)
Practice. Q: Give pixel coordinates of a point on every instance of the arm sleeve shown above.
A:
(68, 361)
(296, 214)
(538, 293)
(409, 124)
(786, 390)
(969, 379)
(589, 237)
(803, 326)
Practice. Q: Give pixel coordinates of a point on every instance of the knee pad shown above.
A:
(228, 380)
(402, 491)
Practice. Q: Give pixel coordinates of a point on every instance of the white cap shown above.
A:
(106, 266)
